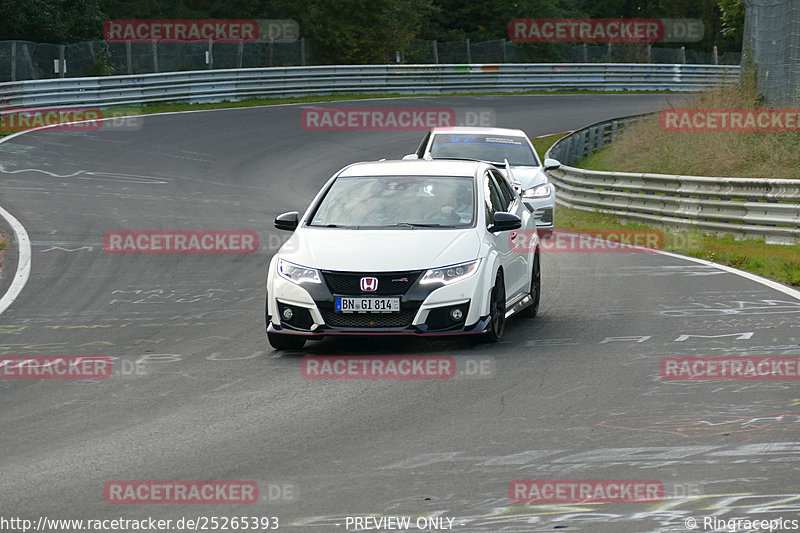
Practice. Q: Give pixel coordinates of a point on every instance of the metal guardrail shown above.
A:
(758, 207)
(219, 85)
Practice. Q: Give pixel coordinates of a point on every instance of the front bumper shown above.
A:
(424, 310)
(543, 210)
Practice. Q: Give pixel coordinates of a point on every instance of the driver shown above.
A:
(460, 207)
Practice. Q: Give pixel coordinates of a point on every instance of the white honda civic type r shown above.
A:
(405, 248)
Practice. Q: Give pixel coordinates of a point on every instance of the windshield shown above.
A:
(494, 148)
(392, 201)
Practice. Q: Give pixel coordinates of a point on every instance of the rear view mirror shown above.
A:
(551, 164)
(504, 221)
(287, 221)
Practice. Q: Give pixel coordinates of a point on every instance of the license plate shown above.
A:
(367, 305)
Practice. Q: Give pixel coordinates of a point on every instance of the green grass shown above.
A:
(777, 262)
(542, 144)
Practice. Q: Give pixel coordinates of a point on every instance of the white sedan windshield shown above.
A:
(494, 148)
(397, 201)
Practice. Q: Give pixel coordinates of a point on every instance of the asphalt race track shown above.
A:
(198, 394)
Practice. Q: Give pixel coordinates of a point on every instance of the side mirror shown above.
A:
(287, 221)
(410, 156)
(551, 164)
(504, 222)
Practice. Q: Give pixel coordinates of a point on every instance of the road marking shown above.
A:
(23, 264)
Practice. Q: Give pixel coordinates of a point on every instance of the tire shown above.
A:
(282, 341)
(497, 310)
(536, 288)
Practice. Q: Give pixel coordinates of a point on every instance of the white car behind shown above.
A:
(498, 145)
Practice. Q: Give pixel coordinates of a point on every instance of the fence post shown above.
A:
(239, 54)
(609, 52)
(91, 51)
(435, 52)
(715, 55)
(303, 51)
(271, 44)
(683, 55)
(210, 54)
(30, 62)
(469, 55)
(585, 53)
(649, 53)
(62, 63)
(155, 55)
(503, 43)
(128, 57)
(13, 60)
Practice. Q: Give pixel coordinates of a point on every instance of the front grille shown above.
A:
(369, 320)
(389, 283)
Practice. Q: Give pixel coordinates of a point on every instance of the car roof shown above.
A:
(480, 131)
(415, 167)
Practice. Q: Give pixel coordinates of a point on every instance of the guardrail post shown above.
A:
(128, 57)
(154, 45)
(580, 153)
(239, 54)
(435, 52)
(13, 60)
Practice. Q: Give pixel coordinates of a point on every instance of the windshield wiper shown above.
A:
(334, 226)
(417, 225)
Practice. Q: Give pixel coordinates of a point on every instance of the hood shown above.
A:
(527, 176)
(383, 250)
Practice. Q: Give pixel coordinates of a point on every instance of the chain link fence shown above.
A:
(503, 51)
(21, 60)
(772, 44)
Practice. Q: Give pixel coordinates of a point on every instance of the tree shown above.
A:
(356, 31)
(732, 17)
(51, 21)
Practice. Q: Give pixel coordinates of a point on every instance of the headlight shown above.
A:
(296, 273)
(540, 191)
(451, 274)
